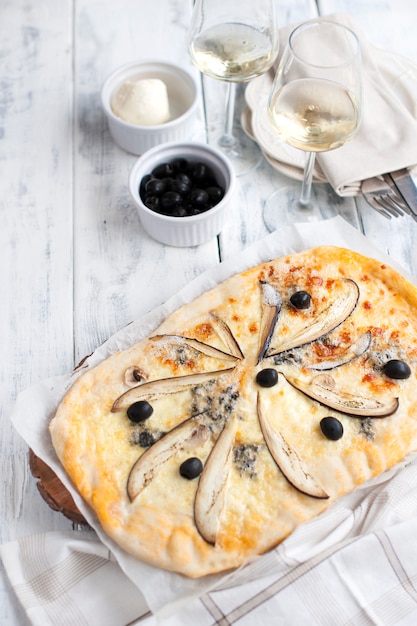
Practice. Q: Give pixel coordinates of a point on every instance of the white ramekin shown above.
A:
(190, 230)
(183, 98)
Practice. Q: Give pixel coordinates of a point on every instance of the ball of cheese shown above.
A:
(143, 102)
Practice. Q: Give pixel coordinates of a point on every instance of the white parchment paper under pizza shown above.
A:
(165, 590)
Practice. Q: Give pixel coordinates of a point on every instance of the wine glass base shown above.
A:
(243, 153)
(227, 141)
(283, 208)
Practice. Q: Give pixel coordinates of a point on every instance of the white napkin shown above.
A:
(65, 578)
(84, 578)
(386, 140)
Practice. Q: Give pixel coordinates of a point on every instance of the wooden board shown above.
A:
(53, 491)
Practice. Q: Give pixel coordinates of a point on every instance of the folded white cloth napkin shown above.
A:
(386, 140)
(354, 564)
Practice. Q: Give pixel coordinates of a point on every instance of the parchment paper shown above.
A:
(163, 591)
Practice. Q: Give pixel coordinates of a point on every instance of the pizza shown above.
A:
(248, 411)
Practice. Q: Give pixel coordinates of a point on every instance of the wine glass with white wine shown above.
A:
(234, 41)
(315, 105)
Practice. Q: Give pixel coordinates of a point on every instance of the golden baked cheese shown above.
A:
(248, 411)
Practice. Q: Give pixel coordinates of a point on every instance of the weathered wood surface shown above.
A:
(75, 262)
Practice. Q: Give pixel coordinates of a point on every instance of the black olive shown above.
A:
(200, 172)
(181, 186)
(142, 185)
(267, 377)
(300, 300)
(191, 468)
(179, 211)
(199, 197)
(194, 210)
(180, 164)
(331, 428)
(152, 202)
(163, 170)
(170, 200)
(215, 193)
(155, 186)
(183, 177)
(169, 183)
(139, 411)
(397, 369)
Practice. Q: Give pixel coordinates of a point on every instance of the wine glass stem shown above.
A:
(227, 139)
(307, 179)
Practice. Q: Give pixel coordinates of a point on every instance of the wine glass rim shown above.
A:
(315, 23)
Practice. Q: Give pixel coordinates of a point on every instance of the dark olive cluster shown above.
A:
(180, 188)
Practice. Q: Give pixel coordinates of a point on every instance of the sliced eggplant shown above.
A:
(345, 402)
(271, 306)
(288, 460)
(211, 489)
(199, 346)
(226, 335)
(354, 351)
(163, 386)
(328, 319)
(186, 436)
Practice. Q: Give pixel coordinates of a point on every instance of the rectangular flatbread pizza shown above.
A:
(248, 411)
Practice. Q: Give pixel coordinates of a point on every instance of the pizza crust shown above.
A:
(276, 468)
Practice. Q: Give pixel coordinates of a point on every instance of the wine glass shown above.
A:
(234, 41)
(315, 105)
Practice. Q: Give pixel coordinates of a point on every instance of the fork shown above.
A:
(384, 198)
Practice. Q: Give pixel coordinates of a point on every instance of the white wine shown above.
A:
(314, 114)
(232, 52)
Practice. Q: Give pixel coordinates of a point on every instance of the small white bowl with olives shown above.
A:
(183, 192)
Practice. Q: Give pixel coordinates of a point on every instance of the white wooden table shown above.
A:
(75, 263)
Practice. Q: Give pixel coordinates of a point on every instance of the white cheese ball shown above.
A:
(143, 102)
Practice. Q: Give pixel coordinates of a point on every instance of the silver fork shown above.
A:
(382, 196)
